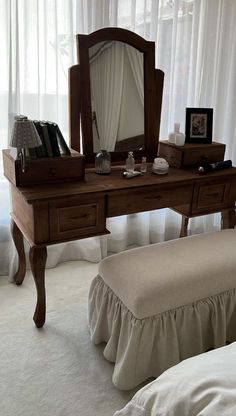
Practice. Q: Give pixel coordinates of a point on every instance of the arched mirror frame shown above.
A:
(80, 94)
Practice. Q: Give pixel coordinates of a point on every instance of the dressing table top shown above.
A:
(107, 183)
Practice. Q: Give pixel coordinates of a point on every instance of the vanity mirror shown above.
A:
(116, 93)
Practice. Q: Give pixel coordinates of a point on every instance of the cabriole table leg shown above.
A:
(184, 226)
(38, 256)
(19, 244)
(228, 219)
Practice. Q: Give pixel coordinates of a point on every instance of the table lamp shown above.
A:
(24, 136)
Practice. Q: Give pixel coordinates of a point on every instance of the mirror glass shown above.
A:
(117, 96)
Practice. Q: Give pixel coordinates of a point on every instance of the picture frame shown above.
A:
(198, 126)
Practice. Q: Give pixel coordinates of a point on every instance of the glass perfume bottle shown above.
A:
(130, 163)
(143, 167)
(103, 162)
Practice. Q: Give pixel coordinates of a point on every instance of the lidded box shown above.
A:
(191, 154)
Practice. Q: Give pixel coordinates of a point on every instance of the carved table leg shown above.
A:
(228, 219)
(19, 244)
(38, 256)
(184, 226)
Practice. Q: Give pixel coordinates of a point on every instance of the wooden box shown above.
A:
(43, 170)
(191, 154)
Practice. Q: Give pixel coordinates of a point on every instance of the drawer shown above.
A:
(210, 197)
(208, 154)
(146, 199)
(77, 217)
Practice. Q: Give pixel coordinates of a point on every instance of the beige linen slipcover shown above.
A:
(157, 305)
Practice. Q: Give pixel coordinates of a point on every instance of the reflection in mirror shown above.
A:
(117, 96)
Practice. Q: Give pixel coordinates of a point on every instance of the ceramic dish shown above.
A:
(159, 171)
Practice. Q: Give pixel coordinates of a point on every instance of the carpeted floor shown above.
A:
(55, 370)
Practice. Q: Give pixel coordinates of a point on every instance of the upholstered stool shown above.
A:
(159, 304)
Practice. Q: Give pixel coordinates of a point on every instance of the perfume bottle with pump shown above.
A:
(130, 163)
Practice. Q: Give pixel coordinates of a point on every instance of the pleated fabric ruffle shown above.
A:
(144, 348)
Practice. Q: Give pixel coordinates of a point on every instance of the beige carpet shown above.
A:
(53, 371)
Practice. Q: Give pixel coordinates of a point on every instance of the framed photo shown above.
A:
(198, 127)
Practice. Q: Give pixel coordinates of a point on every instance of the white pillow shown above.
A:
(204, 385)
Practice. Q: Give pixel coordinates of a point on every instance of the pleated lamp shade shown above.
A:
(24, 134)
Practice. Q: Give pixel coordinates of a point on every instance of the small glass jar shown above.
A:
(103, 162)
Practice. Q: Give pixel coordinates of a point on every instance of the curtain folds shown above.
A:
(196, 49)
(136, 63)
(106, 77)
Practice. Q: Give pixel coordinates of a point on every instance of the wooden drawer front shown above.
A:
(77, 217)
(71, 218)
(141, 199)
(208, 154)
(210, 197)
(191, 154)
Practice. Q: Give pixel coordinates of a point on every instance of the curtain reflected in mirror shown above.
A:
(117, 96)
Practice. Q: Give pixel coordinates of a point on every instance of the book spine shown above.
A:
(61, 141)
(41, 151)
(53, 139)
(46, 139)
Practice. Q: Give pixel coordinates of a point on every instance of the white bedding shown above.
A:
(204, 385)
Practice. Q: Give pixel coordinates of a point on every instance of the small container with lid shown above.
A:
(160, 166)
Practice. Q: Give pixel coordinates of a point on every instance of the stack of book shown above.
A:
(53, 142)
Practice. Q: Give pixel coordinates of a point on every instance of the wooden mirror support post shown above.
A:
(80, 108)
(74, 107)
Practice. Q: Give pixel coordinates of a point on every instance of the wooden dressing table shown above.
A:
(52, 214)
(55, 213)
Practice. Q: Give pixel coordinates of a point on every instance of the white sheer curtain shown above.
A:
(195, 47)
(106, 77)
(136, 63)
